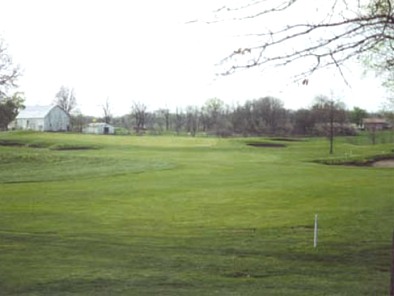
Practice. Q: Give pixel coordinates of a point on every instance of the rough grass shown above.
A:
(191, 216)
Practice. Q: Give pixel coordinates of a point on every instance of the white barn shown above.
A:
(100, 128)
(42, 118)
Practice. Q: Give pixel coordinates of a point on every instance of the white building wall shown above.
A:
(99, 129)
(91, 130)
(35, 124)
(56, 120)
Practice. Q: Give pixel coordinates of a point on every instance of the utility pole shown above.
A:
(331, 118)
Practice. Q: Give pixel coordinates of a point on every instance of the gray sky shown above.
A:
(146, 51)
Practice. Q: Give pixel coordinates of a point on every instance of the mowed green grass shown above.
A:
(191, 216)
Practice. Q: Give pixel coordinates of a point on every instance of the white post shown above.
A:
(315, 233)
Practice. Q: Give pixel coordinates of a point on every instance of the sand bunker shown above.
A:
(388, 163)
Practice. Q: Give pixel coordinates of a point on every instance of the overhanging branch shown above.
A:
(325, 43)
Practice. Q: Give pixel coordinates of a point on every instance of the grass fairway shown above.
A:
(113, 215)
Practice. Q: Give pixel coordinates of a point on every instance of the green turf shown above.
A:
(127, 215)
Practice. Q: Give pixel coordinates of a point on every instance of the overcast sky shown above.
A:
(150, 51)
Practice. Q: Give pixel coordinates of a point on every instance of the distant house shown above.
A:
(375, 124)
(42, 118)
(100, 128)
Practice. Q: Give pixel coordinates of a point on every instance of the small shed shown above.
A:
(375, 124)
(42, 118)
(99, 128)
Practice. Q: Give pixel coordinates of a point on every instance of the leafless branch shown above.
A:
(324, 43)
(9, 73)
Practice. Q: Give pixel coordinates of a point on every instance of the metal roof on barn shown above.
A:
(35, 111)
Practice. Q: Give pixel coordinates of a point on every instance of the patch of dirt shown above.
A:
(388, 163)
(267, 145)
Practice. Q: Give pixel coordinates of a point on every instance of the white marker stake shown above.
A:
(315, 233)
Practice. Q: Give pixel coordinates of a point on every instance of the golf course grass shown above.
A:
(167, 215)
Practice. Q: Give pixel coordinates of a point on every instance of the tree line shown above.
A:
(258, 117)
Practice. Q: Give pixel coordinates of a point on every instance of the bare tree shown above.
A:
(270, 115)
(179, 120)
(65, 99)
(239, 119)
(329, 114)
(140, 115)
(107, 111)
(332, 33)
(303, 122)
(192, 120)
(211, 114)
(9, 73)
(163, 119)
